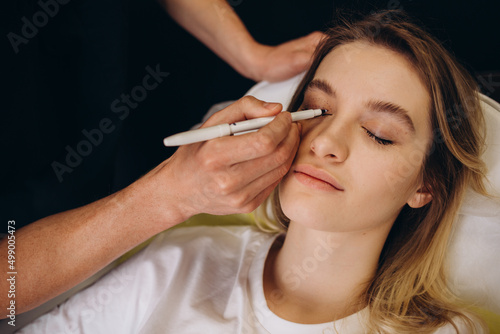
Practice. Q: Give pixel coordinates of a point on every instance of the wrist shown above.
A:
(152, 203)
(252, 61)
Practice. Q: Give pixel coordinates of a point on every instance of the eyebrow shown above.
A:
(321, 85)
(377, 106)
(393, 109)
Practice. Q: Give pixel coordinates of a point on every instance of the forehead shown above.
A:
(360, 72)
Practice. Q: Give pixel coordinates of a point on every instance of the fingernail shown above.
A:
(272, 105)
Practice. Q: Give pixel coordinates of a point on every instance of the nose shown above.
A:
(330, 143)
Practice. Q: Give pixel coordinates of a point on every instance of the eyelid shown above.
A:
(307, 106)
(381, 141)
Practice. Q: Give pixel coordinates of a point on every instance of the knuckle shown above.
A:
(239, 201)
(264, 143)
(282, 170)
(316, 34)
(248, 101)
(222, 188)
(208, 163)
(208, 159)
(225, 184)
(249, 207)
(315, 37)
(210, 191)
(236, 170)
(281, 156)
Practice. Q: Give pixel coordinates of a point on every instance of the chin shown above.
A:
(305, 213)
(300, 206)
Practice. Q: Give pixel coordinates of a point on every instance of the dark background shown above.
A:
(65, 78)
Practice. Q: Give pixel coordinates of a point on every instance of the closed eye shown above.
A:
(379, 140)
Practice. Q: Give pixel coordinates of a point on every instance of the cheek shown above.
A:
(392, 179)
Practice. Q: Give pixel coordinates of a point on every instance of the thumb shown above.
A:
(247, 107)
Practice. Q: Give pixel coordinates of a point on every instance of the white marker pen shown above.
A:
(221, 130)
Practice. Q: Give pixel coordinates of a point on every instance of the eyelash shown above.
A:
(378, 139)
(306, 107)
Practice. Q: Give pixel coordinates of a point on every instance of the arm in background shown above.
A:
(215, 23)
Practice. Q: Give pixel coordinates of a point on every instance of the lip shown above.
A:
(316, 178)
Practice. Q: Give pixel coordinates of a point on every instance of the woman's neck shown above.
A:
(317, 276)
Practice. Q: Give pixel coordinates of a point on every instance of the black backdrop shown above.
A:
(59, 88)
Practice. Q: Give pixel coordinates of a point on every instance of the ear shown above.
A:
(421, 197)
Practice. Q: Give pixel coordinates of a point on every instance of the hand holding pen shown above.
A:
(232, 174)
(221, 130)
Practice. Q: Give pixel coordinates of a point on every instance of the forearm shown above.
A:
(60, 251)
(223, 176)
(216, 25)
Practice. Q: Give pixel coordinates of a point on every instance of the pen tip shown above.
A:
(324, 111)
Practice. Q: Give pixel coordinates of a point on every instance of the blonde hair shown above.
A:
(409, 292)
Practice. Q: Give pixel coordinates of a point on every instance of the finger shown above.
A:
(247, 107)
(253, 145)
(252, 178)
(303, 56)
(309, 42)
(243, 188)
(278, 163)
(223, 155)
(315, 38)
(261, 187)
(258, 199)
(305, 50)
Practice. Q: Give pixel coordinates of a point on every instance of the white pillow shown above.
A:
(475, 246)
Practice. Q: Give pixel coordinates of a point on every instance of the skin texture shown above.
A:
(307, 284)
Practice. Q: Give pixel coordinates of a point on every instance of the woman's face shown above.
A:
(356, 169)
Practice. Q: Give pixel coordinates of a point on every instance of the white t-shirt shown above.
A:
(188, 280)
